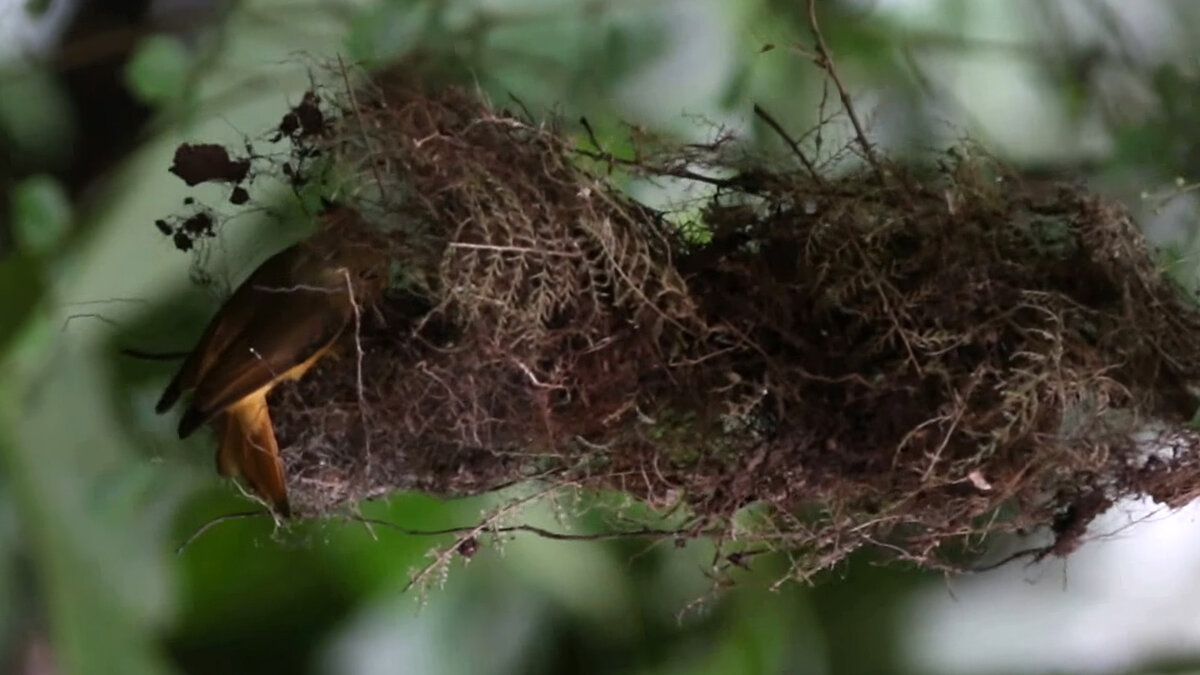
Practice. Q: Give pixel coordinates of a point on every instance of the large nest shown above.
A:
(889, 358)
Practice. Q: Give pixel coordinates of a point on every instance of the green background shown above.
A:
(96, 492)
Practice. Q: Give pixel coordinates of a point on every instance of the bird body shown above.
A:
(279, 322)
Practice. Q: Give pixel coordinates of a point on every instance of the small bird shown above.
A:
(279, 322)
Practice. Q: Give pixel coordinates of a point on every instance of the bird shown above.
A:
(284, 318)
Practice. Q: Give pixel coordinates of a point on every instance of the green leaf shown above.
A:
(159, 69)
(36, 117)
(93, 628)
(22, 283)
(41, 213)
(36, 8)
(387, 31)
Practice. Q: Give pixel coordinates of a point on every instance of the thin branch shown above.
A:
(591, 134)
(1038, 553)
(443, 557)
(217, 521)
(88, 315)
(778, 128)
(529, 118)
(358, 368)
(474, 530)
(824, 61)
(514, 249)
(361, 127)
(662, 171)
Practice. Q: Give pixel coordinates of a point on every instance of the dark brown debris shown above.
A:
(208, 163)
(239, 196)
(303, 121)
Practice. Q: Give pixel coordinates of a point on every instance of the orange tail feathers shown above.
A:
(248, 449)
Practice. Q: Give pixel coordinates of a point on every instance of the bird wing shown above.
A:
(289, 330)
(229, 322)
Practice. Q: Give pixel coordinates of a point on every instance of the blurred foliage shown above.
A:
(42, 214)
(34, 118)
(158, 70)
(95, 491)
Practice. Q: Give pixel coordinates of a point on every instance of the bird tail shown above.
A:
(248, 449)
(169, 396)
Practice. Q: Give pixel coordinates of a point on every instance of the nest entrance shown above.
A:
(901, 365)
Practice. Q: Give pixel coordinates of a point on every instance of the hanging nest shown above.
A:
(891, 358)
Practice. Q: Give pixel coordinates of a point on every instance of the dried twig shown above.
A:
(778, 128)
(825, 62)
(258, 513)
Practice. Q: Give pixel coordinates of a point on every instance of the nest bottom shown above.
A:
(1011, 365)
(885, 360)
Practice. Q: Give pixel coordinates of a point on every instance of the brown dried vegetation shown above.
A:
(894, 358)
